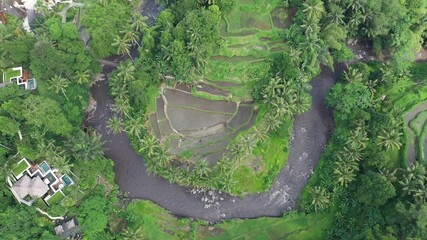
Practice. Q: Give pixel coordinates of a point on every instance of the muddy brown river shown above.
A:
(310, 135)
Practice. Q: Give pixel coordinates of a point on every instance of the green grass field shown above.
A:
(291, 226)
(157, 223)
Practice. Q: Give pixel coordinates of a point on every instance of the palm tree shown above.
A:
(295, 55)
(356, 5)
(281, 107)
(354, 154)
(390, 175)
(320, 198)
(344, 174)
(236, 151)
(62, 163)
(224, 166)
(226, 182)
(126, 71)
(353, 75)
(312, 47)
(201, 169)
(120, 92)
(248, 144)
(86, 147)
(115, 125)
(131, 36)
(162, 157)
(271, 122)
(59, 84)
(122, 106)
(302, 103)
(173, 176)
(347, 163)
(4, 36)
(336, 14)
(104, 2)
(390, 139)
(314, 9)
(149, 145)
(152, 166)
(358, 138)
(274, 87)
(123, 46)
(416, 172)
(407, 185)
(134, 126)
(130, 234)
(167, 52)
(259, 134)
(46, 149)
(184, 177)
(414, 182)
(82, 77)
(420, 194)
(357, 19)
(139, 22)
(195, 36)
(310, 26)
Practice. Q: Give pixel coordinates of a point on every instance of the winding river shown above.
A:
(310, 135)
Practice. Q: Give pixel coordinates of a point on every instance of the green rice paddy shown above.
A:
(409, 96)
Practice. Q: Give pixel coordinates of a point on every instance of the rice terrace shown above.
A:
(198, 126)
(213, 119)
(207, 120)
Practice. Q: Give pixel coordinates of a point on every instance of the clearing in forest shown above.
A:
(196, 128)
(204, 120)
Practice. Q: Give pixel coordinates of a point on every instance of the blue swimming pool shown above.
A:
(44, 167)
(67, 180)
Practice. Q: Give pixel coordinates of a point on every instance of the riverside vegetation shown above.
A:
(363, 187)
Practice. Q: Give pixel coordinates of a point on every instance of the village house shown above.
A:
(68, 230)
(20, 77)
(30, 182)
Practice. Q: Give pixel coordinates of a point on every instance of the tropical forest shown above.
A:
(213, 119)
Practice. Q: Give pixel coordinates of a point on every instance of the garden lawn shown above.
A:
(19, 168)
(11, 74)
(56, 198)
